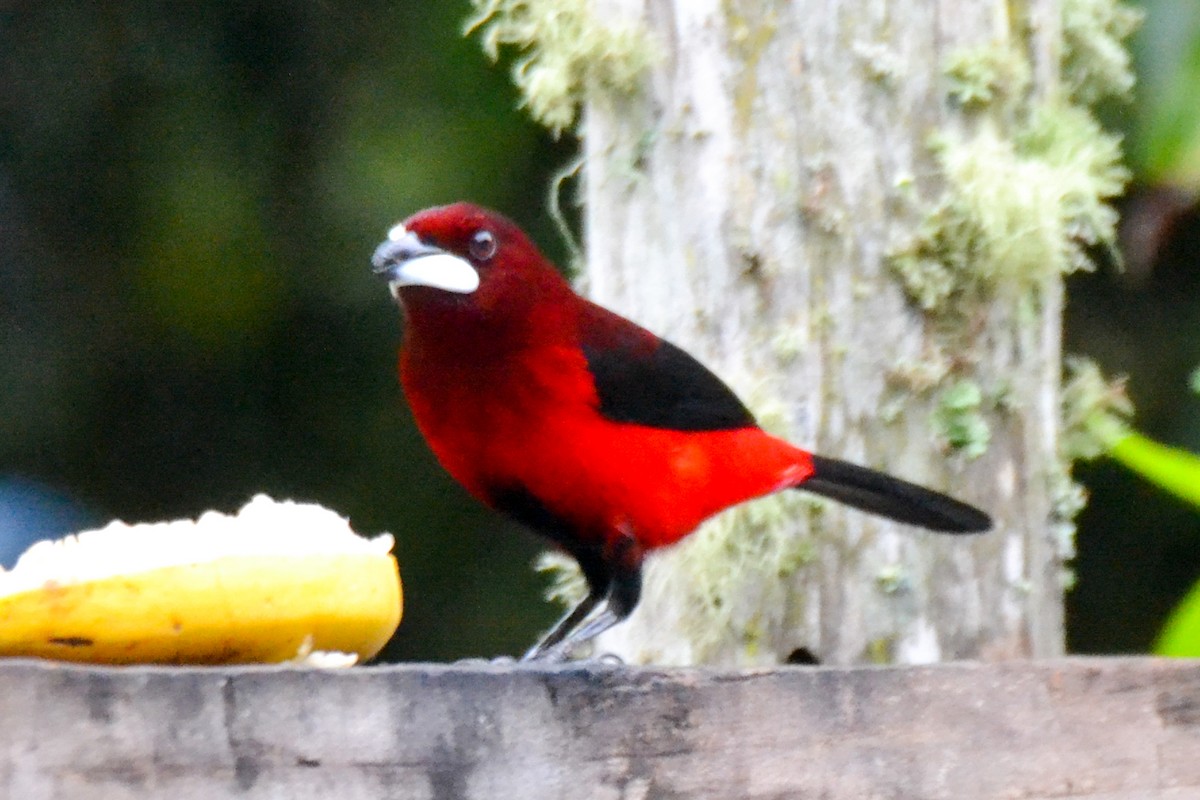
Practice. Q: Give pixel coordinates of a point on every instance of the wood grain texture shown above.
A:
(1094, 729)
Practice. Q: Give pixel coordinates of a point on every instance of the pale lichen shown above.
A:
(1095, 411)
(1095, 62)
(880, 61)
(1028, 185)
(737, 571)
(567, 584)
(1067, 498)
(567, 50)
(921, 375)
(1015, 207)
(982, 76)
(789, 343)
(1084, 163)
(1095, 414)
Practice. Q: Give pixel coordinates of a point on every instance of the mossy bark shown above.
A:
(751, 203)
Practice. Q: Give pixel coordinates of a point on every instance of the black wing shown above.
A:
(649, 381)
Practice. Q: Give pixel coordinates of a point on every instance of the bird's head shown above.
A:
(461, 256)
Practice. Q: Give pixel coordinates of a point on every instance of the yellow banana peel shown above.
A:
(279, 581)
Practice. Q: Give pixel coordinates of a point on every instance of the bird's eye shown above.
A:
(483, 245)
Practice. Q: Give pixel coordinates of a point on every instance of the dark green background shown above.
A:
(189, 196)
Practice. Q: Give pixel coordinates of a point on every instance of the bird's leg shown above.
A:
(604, 619)
(601, 613)
(569, 622)
(597, 624)
(598, 574)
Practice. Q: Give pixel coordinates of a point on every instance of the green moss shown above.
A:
(958, 420)
(567, 50)
(924, 265)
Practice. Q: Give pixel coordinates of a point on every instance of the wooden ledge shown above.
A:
(1101, 729)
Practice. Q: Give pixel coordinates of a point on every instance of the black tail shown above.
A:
(893, 498)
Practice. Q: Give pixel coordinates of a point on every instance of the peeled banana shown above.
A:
(278, 581)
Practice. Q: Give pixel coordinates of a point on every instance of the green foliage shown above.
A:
(1096, 423)
(1180, 636)
(1177, 471)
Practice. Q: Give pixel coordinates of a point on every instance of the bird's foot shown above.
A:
(545, 655)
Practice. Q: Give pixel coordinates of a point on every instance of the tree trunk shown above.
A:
(764, 202)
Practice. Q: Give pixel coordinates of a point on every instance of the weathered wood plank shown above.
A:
(1100, 729)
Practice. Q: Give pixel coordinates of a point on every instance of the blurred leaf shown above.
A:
(1177, 471)
(1165, 141)
(1180, 636)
